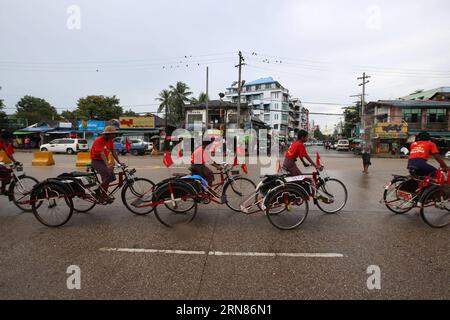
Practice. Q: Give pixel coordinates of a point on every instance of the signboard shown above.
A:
(91, 125)
(65, 125)
(137, 122)
(392, 130)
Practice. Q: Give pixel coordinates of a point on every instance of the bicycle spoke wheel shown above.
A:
(397, 201)
(21, 192)
(51, 205)
(179, 205)
(332, 196)
(295, 206)
(83, 203)
(136, 194)
(238, 191)
(435, 209)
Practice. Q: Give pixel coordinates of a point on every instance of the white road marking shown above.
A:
(152, 251)
(220, 253)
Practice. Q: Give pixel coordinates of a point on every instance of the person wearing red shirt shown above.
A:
(421, 150)
(102, 147)
(298, 150)
(198, 163)
(6, 146)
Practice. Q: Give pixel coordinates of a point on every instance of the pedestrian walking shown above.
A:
(366, 148)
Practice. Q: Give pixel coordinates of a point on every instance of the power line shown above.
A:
(162, 60)
(287, 60)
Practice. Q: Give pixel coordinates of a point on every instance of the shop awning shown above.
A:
(20, 133)
(59, 132)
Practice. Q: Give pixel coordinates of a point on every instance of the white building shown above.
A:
(270, 102)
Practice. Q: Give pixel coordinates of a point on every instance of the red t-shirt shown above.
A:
(7, 147)
(423, 150)
(101, 145)
(296, 150)
(200, 156)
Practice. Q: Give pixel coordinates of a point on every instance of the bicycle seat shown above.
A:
(75, 174)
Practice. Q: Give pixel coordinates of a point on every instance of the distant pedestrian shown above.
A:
(27, 142)
(394, 148)
(366, 148)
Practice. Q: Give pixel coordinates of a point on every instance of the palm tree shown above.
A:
(202, 98)
(180, 94)
(165, 97)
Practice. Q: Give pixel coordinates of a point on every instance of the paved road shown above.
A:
(414, 259)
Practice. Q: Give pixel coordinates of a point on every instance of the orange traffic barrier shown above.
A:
(42, 159)
(4, 157)
(83, 159)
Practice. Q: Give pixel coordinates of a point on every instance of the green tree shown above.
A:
(202, 98)
(165, 99)
(318, 134)
(3, 117)
(172, 101)
(130, 113)
(98, 107)
(180, 95)
(35, 110)
(351, 119)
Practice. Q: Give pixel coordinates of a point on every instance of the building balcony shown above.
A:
(414, 126)
(437, 126)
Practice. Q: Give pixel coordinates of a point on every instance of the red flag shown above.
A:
(127, 144)
(235, 163)
(244, 168)
(318, 159)
(167, 159)
(180, 153)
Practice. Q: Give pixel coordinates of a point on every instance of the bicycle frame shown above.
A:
(205, 194)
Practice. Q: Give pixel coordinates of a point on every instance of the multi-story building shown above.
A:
(391, 121)
(438, 94)
(269, 101)
(300, 115)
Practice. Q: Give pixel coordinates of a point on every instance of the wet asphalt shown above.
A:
(413, 258)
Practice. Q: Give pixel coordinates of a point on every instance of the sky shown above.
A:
(63, 50)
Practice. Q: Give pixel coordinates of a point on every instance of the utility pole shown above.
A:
(239, 66)
(363, 102)
(207, 96)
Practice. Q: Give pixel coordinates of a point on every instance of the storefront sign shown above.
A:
(137, 122)
(391, 130)
(91, 125)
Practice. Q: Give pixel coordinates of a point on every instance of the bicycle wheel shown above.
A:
(294, 201)
(179, 206)
(395, 200)
(82, 204)
(237, 190)
(51, 204)
(332, 196)
(435, 210)
(20, 191)
(136, 193)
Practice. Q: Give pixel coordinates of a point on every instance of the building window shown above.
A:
(411, 115)
(436, 115)
(275, 95)
(276, 116)
(268, 86)
(267, 118)
(275, 127)
(284, 117)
